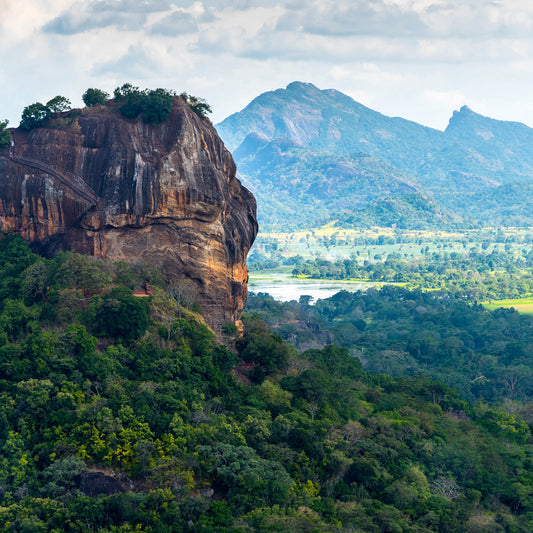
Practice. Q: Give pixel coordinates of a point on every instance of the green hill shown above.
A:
(317, 135)
(296, 185)
(122, 413)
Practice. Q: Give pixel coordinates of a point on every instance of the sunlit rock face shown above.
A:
(125, 190)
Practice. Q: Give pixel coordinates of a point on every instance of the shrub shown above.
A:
(118, 315)
(4, 134)
(130, 98)
(58, 104)
(198, 105)
(156, 105)
(34, 116)
(93, 97)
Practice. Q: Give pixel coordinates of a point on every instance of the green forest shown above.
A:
(477, 273)
(480, 265)
(123, 413)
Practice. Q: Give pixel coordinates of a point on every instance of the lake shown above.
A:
(281, 286)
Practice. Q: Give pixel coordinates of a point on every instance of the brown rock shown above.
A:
(125, 190)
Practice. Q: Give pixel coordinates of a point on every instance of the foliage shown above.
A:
(15, 258)
(259, 346)
(198, 105)
(34, 116)
(484, 354)
(92, 97)
(58, 104)
(155, 105)
(166, 430)
(130, 98)
(126, 90)
(482, 275)
(248, 480)
(4, 134)
(118, 314)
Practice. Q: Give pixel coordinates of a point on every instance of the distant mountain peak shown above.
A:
(302, 86)
(465, 117)
(464, 112)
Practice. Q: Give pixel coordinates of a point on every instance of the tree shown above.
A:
(61, 476)
(260, 346)
(34, 116)
(198, 105)
(4, 134)
(120, 94)
(93, 97)
(156, 105)
(81, 272)
(15, 257)
(131, 98)
(248, 479)
(58, 104)
(119, 315)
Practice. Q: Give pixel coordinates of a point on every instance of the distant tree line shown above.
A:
(476, 274)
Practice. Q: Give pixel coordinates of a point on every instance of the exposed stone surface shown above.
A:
(125, 190)
(95, 483)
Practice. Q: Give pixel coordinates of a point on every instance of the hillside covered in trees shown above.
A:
(121, 412)
(315, 156)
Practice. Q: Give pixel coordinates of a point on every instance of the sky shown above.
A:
(417, 59)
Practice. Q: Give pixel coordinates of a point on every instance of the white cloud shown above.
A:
(356, 17)
(412, 58)
(136, 63)
(177, 23)
(451, 99)
(86, 15)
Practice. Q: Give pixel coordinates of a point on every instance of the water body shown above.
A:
(281, 286)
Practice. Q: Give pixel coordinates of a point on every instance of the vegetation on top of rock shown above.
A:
(34, 116)
(129, 99)
(198, 105)
(92, 97)
(37, 115)
(155, 105)
(58, 104)
(4, 134)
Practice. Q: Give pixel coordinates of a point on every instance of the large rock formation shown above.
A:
(99, 184)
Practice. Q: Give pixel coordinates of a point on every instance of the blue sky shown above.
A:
(419, 59)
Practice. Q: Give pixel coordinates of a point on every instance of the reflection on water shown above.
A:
(284, 288)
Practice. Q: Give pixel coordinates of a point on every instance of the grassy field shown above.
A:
(522, 305)
(333, 243)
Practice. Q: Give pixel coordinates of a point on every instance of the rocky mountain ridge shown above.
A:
(96, 183)
(457, 169)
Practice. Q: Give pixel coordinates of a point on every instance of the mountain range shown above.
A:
(313, 156)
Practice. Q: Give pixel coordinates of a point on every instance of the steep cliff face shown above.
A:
(125, 190)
